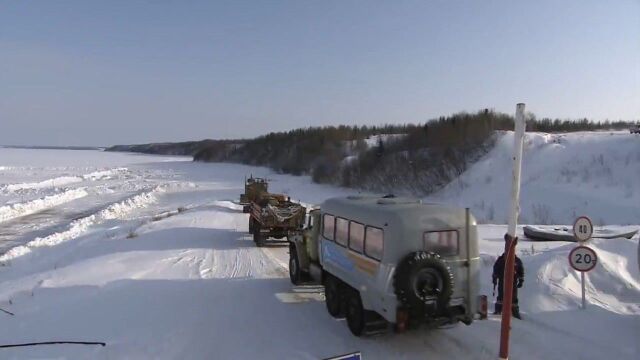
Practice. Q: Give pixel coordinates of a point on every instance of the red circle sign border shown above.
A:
(595, 256)
(574, 228)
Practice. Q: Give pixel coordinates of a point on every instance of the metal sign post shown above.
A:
(510, 242)
(584, 292)
(583, 258)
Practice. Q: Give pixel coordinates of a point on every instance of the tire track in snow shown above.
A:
(243, 261)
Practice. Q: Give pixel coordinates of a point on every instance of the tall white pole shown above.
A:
(518, 137)
(510, 242)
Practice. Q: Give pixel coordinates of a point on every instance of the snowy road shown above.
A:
(176, 276)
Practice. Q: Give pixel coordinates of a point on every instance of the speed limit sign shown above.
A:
(583, 229)
(583, 258)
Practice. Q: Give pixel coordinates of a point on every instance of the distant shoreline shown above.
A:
(42, 147)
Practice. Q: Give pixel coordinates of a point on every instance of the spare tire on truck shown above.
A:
(421, 278)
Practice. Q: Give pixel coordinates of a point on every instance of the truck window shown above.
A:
(329, 226)
(444, 243)
(342, 231)
(373, 242)
(356, 237)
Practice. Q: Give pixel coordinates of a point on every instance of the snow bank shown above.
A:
(62, 181)
(225, 204)
(115, 211)
(50, 183)
(97, 175)
(616, 285)
(76, 228)
(13, 211)
(123, 208)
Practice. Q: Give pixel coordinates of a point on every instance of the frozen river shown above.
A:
(151, 255)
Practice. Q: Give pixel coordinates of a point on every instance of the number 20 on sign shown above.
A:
(583, 258)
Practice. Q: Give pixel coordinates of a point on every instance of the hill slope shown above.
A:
(563, 176)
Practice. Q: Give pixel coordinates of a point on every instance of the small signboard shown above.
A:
(583, 229)
(352, 356)
(583, 258)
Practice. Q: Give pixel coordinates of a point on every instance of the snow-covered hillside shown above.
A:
(563, 176)
(156, 261)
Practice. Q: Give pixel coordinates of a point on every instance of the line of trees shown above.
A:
(557, 125)
(409, 158)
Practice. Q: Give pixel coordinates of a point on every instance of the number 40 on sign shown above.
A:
(582, 229)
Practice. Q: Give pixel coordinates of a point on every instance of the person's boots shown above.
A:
(516, 312)
(498, 309)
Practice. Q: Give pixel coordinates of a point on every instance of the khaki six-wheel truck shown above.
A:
(271, 216)
(274, 216)
(390, 261)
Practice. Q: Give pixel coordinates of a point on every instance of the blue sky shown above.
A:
(107, 72)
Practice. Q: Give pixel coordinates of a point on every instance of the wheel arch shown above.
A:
(296, 244)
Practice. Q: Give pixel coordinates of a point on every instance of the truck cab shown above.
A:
(254, 189)
(304, 245)
(389, 260)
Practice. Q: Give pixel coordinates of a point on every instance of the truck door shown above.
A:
(311, 235)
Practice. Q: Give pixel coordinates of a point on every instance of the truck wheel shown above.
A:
(355, 313)
(295, 273)
(422, 277)
(257, 236)
(333, 296)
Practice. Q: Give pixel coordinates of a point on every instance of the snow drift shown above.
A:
(77, 227)
(61, 181)
(13, 211)
(45, 184)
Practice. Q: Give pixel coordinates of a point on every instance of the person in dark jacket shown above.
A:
(498, 279)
